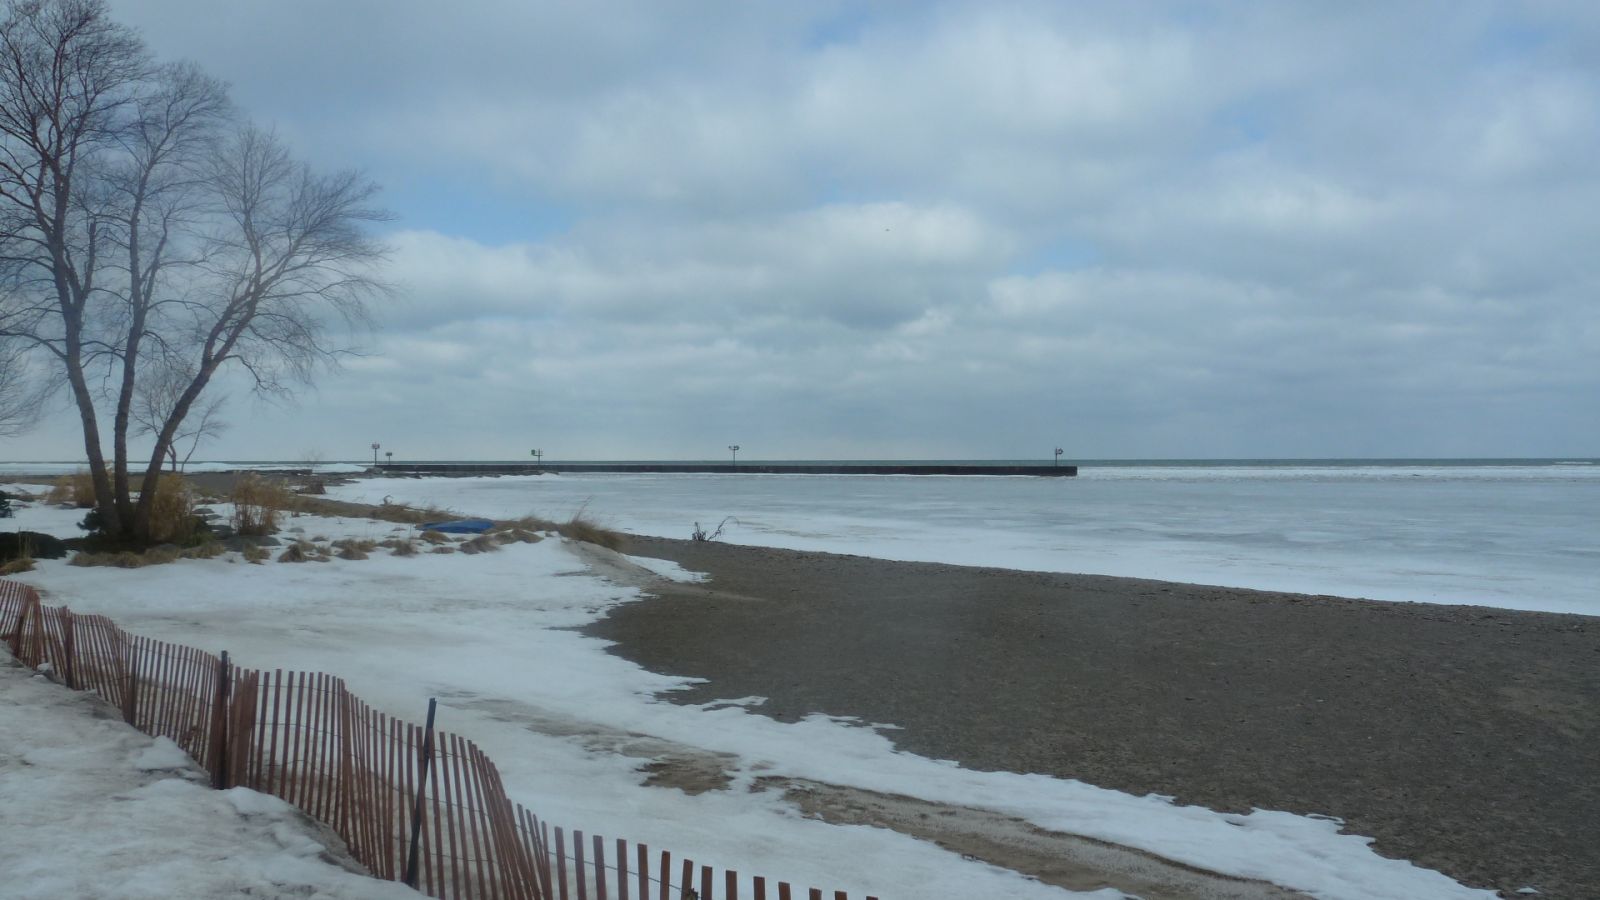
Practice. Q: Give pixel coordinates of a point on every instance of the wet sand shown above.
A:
(1465, 739)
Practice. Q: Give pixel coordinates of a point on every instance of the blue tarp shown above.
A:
(459, 526)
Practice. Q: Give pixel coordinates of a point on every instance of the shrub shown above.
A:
(254, 554)
(30, 544)
(700, 534)
(401, 547)
(436, 537)
(257, 502)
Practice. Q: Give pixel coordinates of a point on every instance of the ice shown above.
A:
(1519, 537)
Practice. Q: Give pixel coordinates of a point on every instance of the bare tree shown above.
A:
(20, 397)
(154, 400)
(140, 229)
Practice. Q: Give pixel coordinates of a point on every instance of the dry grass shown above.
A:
(582, 528)
(482, 543)
(408, 515)
(401, 547)
(17, 566)
(516, 536)
(127, 559)
(257, 555)
(297, 552)
(257, 504)
(436, 537)
(350, 548)
(206, 550)
(445, 548)
(76, 489)
(172, 510)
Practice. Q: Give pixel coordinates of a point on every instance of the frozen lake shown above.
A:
(1523, 537)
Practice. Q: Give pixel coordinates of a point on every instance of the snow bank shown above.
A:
(92, 808)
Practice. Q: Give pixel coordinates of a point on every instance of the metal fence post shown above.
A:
(422, 788)
(219, 727)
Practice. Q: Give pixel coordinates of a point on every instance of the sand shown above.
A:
(1465, 739)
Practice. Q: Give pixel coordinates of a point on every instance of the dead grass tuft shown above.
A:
(582, 528)
(483, 543)
(206, 550)
(401, 547)
(17, 566)
(297, 552)
(257, 555)
(444, 548)
(76, 489)
(436, 537)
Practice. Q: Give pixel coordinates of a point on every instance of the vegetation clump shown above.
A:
(257, 503)
(582, 528)
(297, 552)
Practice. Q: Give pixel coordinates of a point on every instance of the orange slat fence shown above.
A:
(412, 803)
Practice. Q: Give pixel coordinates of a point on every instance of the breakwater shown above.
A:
(752, 468)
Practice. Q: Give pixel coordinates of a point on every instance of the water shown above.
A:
(1512, 533)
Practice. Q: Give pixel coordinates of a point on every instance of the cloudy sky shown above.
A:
(941, 230)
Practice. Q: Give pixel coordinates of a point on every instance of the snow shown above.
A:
(573, 727)
(92, 808)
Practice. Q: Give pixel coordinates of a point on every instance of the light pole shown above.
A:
(538, 456)
(735, 449)
(1058, 457)
(375, 446)
(390, 455)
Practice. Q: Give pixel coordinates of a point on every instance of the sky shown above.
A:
(938, 230)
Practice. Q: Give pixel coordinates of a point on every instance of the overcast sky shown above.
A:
(941, 230)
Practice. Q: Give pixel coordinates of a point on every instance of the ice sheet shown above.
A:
(1514, 537)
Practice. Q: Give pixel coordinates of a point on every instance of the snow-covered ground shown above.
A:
(93, 808)
(573, 728)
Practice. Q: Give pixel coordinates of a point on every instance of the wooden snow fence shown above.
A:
(413, 804)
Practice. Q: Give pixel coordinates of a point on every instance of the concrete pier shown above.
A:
(751, 468)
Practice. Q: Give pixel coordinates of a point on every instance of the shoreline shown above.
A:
(1460, 737)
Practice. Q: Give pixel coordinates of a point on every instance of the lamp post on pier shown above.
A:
(389, 454)
(735, 449)
(1059, 451)
(538, 456)
(375, 446)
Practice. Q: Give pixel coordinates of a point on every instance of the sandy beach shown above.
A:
(1461, 738)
